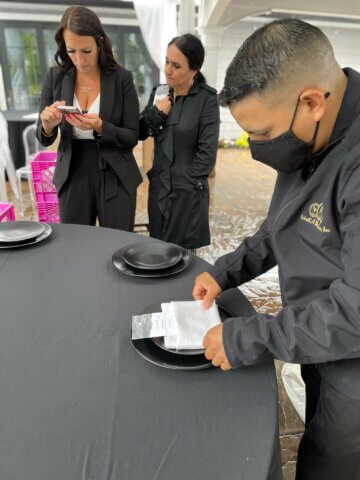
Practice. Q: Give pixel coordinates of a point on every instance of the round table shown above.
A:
(77, 402)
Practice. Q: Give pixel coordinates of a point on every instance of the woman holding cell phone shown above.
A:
(92, 100)
(183, 118)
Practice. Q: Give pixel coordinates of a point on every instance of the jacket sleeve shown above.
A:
(253, 257)
(126, 135)
(151, 119)
(46, 99)
(208, 137)
(325, 330)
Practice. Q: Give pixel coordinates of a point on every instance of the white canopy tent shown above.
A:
(160, 20)
(217, 15)
(157, 20)
(159, 23)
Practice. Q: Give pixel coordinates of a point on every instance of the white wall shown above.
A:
(345, 41)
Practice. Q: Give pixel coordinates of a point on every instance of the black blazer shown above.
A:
(119, 111)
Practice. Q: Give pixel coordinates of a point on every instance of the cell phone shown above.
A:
(69, 109)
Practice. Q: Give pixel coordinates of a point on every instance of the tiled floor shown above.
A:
(240, 194)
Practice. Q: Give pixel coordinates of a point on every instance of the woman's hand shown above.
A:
(51, 117)
(86, 121)
(164, 105)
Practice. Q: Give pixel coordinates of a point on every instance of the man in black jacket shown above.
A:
(302, 112)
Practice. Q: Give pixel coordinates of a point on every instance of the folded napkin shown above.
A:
(191, 322)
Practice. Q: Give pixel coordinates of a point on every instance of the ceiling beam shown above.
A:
(212, 12)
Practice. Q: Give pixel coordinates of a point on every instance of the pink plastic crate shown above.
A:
(7, 212)
(48, 212)
(43, 168)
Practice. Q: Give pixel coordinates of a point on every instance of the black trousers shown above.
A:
(94, 191)
(330, 446)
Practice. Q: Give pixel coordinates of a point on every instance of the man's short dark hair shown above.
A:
(278, 51)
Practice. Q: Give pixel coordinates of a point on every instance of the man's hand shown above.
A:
(214, 348)
(206, 288)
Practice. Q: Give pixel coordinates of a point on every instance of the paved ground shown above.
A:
(240, 194)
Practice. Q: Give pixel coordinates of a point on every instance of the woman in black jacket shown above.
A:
(96, 175)
(185, 127)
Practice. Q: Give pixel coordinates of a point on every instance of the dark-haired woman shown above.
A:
(185, 127)
(96, 175)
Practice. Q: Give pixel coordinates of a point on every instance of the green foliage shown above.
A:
(240, 142)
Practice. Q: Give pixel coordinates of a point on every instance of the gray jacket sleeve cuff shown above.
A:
(44, 140)
(153, 120)
(220, 277)
(241, 350)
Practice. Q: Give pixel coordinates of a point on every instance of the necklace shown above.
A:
(86, 90)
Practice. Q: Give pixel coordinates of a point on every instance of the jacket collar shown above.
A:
(107, 90)
(193, 90)
(350, 107)
(68, 86)
(67, 94)
(348, 113)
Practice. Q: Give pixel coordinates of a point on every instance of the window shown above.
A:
(24, 68)
(130, 51)
(114, 38)
(49, 46)
(137, 59)
(27, 51)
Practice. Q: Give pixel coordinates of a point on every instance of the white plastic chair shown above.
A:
(6, 162)
(31, 148)
(3, 193)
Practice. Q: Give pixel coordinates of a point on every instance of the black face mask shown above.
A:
(286, 153)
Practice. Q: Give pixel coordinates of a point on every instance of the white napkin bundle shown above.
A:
(191, 321)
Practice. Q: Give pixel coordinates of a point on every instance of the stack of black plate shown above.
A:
(154, 351)
(23, 233)
(151, 259)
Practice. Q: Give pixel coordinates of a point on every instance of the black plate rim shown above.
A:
(29, 236)
(163, 266)
(203, 362)
(126, 270)
(31, 241)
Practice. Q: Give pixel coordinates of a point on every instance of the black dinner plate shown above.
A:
(150, 350)
(120, 264)
(152, 255)
(46, 233)
(19, 231)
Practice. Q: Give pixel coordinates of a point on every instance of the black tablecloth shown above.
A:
(78, 403)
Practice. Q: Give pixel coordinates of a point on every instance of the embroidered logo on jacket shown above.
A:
(316, 218)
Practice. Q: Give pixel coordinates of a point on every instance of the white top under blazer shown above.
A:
(94, 108)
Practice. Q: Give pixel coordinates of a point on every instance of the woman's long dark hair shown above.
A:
(193, 49)
(83, 21)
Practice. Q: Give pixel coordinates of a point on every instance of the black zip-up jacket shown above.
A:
(312, 232)
(184, 155)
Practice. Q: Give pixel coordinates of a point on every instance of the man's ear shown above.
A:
(314, 101)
